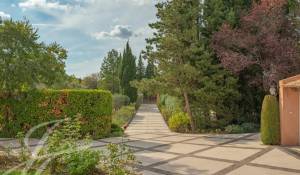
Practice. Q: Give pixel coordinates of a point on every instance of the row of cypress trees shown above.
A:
(118, 70)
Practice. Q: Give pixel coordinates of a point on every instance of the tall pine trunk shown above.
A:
(188, 110)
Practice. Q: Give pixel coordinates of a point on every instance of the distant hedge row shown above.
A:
(23, 111)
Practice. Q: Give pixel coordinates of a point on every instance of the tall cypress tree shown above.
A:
(140, 74)
(128, 73)
(150, 69)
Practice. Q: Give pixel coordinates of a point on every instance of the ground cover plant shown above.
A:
(67, 151)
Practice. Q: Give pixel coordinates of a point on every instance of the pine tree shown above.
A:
(128, 73)
(140, 74)
(185, 62)
(216, 12)
(109, 73)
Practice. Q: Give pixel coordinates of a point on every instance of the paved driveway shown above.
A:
(163, 152)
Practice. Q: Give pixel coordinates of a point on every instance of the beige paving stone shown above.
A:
(255, 137)
(194, 166)
(151, 157)
(248, 143)
(207, 141)
(146, 136)
(181, 148)
(278, 158)
(146, 143)
(174, 138)
(251, 170)
(228, 153)
(149, 173)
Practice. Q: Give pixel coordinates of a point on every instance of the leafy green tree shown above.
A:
(109, 73)
(128, 73)
(91, 81)
(26, 62)
(67, 82)
(140, 74)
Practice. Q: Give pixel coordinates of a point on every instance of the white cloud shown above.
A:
(90, 28)
(4, 15)
(142, 2)
(84, 68)
(43, 5)
(119, 31)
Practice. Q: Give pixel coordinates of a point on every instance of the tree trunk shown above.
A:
(7, 109)
(188, 110)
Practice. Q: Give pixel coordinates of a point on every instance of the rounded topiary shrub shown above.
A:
(270, 121)
(179, 122)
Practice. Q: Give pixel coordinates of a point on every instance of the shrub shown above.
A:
(139, 101)
(82, 162)
(116, 130)
(234, 129)
(169, 105)
(119, 160)
(270, 121)
(120, 100)
(124, 115)
(179, 122)
(67, 151)
(243, 128)
(250, 127)
(26, 110)
(166, 113)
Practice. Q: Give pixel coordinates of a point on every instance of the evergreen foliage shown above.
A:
(270, 121)
(109, 73)
(128, 73)
(140, 74)
(150, 70)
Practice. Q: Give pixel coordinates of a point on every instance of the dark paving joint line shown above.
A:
(243, 162)
(244, 147)
(215, 159)
(155, 170)
(198, 151)
(290, 152)
(273, 167)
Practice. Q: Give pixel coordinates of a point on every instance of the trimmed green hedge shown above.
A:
(270, 121)
(26, 110)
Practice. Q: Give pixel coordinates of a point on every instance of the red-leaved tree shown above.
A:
(266, 38)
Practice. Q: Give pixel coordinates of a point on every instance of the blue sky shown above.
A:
(88, 29)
